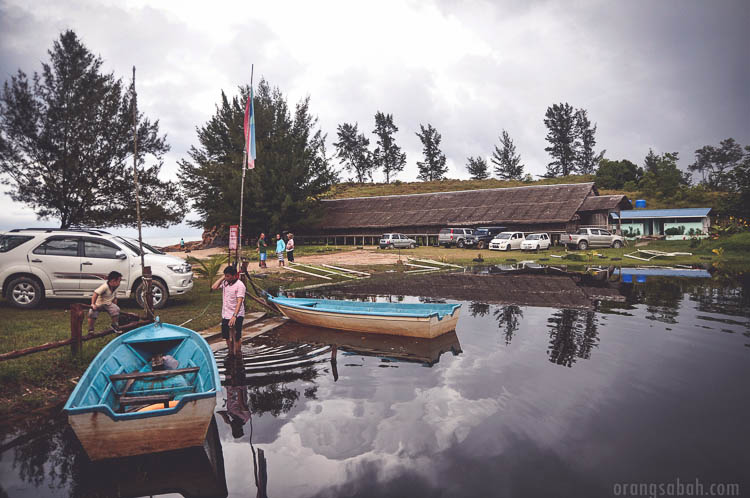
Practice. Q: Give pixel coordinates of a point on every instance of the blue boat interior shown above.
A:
(369, 308)
(132, 353)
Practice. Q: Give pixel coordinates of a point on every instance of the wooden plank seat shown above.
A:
(150, 375)
(146, 400)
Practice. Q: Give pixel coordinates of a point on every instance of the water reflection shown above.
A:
(573, 334)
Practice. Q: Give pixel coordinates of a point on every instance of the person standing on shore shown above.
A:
(290, 247)
(262, 247)
(182, 244)
(232, 308)
(280, 249)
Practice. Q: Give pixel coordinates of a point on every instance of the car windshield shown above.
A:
(533, 237)
(482, 231)
(503, 236)
(149, 248)
(129, 245)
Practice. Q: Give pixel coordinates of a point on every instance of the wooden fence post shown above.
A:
(149, 295)
(76, 325)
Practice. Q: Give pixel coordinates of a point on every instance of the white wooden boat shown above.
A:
(424, 320)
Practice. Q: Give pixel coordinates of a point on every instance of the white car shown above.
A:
(37, 263)
(507, 241)
(535, 242)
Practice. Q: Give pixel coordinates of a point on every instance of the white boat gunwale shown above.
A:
(385, 314)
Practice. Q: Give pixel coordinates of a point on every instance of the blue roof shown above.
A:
(663, 213)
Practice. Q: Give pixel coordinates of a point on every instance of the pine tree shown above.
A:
(477, 167)
(433, 167)
(387, 156)
(291, 173)
(586, 159)
(507, 163)
(560, 122)
(352, 149)
(66, 145)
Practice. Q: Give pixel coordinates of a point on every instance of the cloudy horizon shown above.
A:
(668, 76)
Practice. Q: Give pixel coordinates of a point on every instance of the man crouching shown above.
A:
(104, 299)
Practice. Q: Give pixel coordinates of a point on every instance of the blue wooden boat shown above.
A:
(123, 407)
(424, 320)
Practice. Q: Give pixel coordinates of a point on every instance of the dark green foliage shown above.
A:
(739, 181)
(507, 163)
(433, 167)
(352, 150)
(662, 177)
(291, 169)
(477, 167)
(716, 163)
(561, 125)
(586, 158)
(615, 174)
(387, 156)
(66, 145)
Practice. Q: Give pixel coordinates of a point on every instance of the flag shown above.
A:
(250, 131)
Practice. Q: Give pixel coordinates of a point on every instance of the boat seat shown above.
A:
(151, 375)
(146, 400)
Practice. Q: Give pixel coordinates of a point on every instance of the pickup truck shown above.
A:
(591, 237)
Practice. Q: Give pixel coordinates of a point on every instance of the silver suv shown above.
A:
(397, 241)
(459, 237)
(54, 263)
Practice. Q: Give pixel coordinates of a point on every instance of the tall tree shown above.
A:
(352, 149)
(716, 163)
(586, 158)
(561, 134)
(739, 198)
(477, 167)
(291, 173)
(507, 163)
(614, 174)
(662, 176)
(433, 167)
(66, 145)
(387, 156)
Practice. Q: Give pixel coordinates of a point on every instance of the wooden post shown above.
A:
(148, 296)
(76, 324)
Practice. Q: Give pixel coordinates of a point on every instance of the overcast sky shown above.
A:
(667, 75)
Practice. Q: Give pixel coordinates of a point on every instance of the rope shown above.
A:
(196, 316)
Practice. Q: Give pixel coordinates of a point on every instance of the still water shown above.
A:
(552, 385)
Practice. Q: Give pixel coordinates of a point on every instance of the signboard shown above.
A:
(233, 237)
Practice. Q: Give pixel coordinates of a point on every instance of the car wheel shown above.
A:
(480, 244)
(507, 248)
(617, 244)
(537, 248)
(412, 245)
(583, 245)
(158, 291)
(25, 292)
(460, 244)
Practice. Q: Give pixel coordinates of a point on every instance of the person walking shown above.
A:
(232, 308)
(262, 248)
(290, 247)
(182, 244)
(280, 249)
(104, 299)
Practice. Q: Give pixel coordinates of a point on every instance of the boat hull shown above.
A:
(103, 437)
(424, 327)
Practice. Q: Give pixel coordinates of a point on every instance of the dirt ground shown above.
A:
(358, 257)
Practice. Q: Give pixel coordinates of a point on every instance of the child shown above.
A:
(290, 247)
(104, 299)
(280, 249)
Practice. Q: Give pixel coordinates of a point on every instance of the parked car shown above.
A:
(506, 241)
(592, 237)
(459, 237)
(535, 242)
(397, 241)
(39, 263)
(484, 235)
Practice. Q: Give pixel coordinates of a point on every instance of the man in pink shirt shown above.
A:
(232, 308)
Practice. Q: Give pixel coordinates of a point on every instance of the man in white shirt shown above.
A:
(104, 299)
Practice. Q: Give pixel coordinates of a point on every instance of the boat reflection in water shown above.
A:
(192, 472)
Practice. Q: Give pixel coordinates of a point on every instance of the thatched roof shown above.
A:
(517, 205)
(606, 202)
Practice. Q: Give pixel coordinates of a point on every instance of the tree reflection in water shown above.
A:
(508, 317)
(573, 334)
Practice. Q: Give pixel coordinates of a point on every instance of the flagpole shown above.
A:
(242, 190)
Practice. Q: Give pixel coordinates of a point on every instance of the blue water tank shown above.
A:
(640, 203)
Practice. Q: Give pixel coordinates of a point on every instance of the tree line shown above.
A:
(66, 150)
